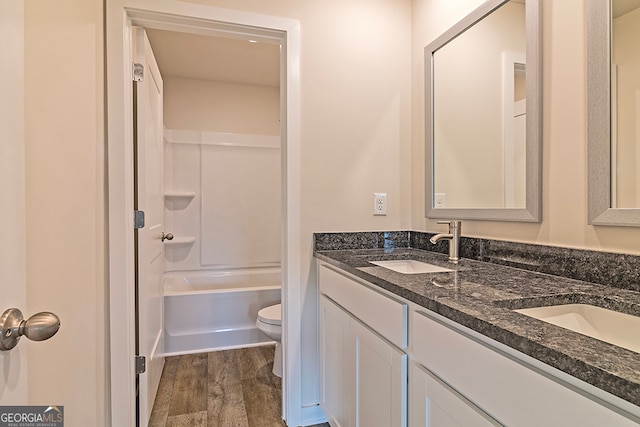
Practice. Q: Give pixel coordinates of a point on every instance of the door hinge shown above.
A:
(138, 72)
(138, 219)
(141, 365)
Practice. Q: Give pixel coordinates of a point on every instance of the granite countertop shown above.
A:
(481, 296)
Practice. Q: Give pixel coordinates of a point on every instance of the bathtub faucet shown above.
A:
(455, 228)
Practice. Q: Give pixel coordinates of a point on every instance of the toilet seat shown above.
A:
(271, 315)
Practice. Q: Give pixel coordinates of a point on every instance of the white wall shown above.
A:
(206, 105)
(564, 151)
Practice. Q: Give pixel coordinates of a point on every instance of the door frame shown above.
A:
(120, 15)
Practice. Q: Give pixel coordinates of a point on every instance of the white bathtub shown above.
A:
(215, 310)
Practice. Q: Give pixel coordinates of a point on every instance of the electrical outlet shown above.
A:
(379, 203)
(440, 200)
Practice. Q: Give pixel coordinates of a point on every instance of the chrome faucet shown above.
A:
(455, 228)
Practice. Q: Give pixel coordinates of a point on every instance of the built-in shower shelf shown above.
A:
(176, 195)
(180, 241)
(178, 200)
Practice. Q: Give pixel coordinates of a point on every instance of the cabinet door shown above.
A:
(380, 379)
(434, 404)
(334, 352)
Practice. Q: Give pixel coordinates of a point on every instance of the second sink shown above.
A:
(410, 266)
(606, 325)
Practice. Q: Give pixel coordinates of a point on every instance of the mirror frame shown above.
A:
(532, 212)
(600, 211)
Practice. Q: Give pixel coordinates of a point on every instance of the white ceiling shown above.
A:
(204, 57)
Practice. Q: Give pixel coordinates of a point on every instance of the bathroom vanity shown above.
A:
(448, 348)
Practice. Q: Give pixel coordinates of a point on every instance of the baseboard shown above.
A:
(312, 415)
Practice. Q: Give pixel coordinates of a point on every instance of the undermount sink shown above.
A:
(606, 325)
(410, 266)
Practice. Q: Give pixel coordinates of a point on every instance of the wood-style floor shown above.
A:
(230, 388)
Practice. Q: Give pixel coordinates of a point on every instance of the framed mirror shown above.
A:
(483, 115)
(613, 91)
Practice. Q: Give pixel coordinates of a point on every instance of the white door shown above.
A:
(380, 375)
(150, 200)
(13, 288)
(334, 353)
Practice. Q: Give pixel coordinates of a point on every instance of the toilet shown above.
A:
(270, 323)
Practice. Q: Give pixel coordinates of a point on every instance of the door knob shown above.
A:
(39, 327)
(167, 236)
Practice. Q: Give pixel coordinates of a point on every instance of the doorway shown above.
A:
(176, 16)
(222, 179)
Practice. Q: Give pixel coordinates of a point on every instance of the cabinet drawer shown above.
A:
(385, 315)
(511, 391)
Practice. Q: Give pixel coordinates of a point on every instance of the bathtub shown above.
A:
(216, 310)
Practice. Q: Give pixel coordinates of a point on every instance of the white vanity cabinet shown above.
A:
(363, 370)
(381, 366)
(457, 378)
